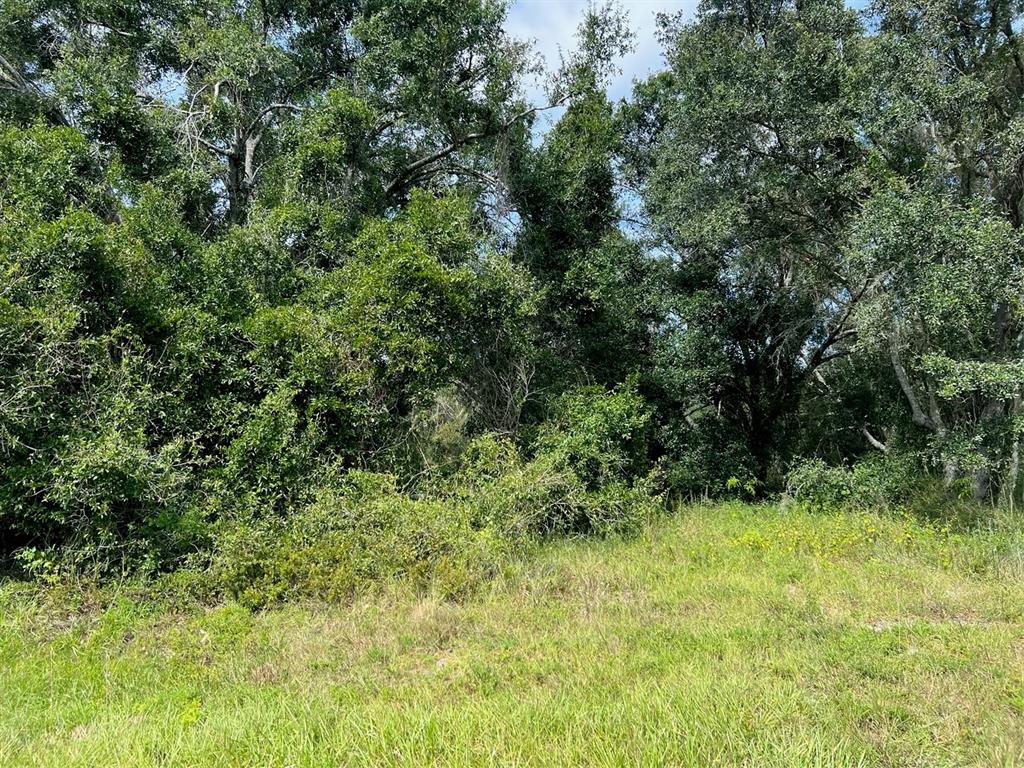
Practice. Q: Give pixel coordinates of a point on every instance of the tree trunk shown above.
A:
(982, 484)
(1008, 492)
(983, 476)
(235, 184)
(950, 472)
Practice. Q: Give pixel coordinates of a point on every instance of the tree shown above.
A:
(942, 313)
(201, 207)
(600, 298)
(750, 161)
(942, 241)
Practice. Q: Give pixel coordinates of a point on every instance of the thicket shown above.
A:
(308, 295)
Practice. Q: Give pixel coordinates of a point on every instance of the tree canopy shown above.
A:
(252, 252)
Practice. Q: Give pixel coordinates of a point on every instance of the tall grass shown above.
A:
(723, 636)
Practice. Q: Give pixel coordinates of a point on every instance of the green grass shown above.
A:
(725, 636)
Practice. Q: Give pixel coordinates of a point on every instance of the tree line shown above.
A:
(259, 254)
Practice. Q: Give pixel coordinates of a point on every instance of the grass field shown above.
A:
(725, 636)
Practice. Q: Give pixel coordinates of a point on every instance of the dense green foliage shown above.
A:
(298, 294)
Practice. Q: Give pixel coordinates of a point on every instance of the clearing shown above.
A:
(724, 636)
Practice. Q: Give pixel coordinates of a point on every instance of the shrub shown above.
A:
(706, 458)
(353, 538)
(819, 485)
(600, 435)
(893, 481)
(547, 494)
(362, 531)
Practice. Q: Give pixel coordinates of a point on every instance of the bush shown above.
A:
(361, 531)
(354, 538)
(547, 495)
(893, 481)
(819, 485)
(876, 482)
(706, 458)
(600, 435)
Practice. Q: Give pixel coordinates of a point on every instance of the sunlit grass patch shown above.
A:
(722, 636)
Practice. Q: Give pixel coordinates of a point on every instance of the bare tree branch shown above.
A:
(875, 442)
(277, 107)
(410, 171)
(917, 413)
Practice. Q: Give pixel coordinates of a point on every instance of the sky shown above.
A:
(552, 25)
